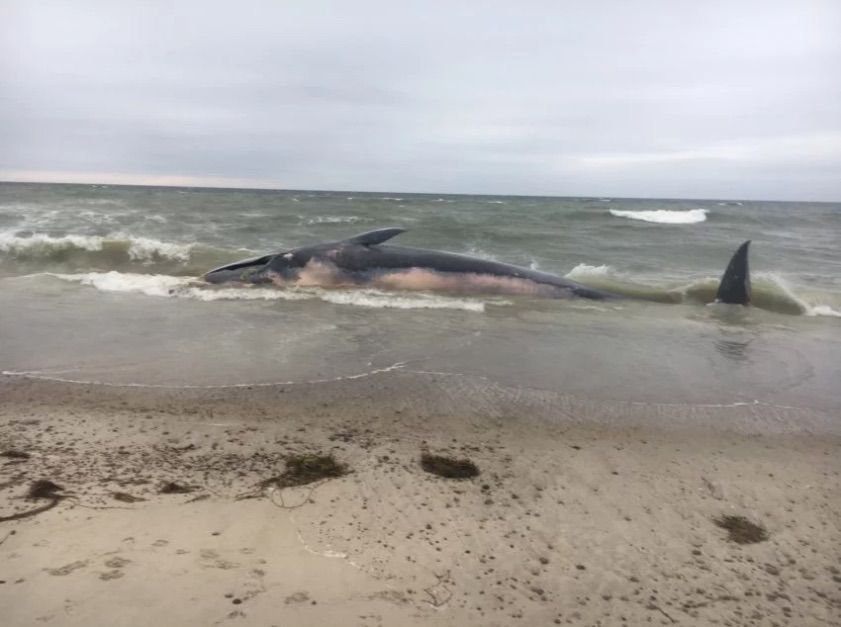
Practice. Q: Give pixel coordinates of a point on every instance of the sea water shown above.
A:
(102, 283)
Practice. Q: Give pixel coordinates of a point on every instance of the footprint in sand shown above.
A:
(213, 560)
(117, 562)
(67, 569)
(298, 597)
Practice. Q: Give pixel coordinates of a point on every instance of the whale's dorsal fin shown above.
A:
(734, 288)
(372, 238)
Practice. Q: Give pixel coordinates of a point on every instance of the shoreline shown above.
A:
(571, 521)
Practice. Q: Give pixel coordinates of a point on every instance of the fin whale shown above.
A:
(368, 259)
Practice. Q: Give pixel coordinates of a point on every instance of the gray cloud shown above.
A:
(716, 99)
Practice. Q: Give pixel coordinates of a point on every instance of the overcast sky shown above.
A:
(734, 99)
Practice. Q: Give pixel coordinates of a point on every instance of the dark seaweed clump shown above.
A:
(741, 530)
(13, 454)
(171, 487)
(304, 469)
(448, 467)
(44, 489)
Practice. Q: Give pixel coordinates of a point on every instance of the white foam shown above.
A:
(782, 284)
(663, 216)
(45, 244)
(137, 248)
(148, 249)
(331, 219)
(387, 300)
(583, 270)
(149, 284)
(186, 287)
(823, 310)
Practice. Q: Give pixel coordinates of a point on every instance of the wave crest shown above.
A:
(331, 219)
(663, 216)
(42, 245)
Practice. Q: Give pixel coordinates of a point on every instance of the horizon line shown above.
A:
(359, 191)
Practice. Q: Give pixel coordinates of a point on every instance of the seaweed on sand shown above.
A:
(40, 489)
(307, 468)
(741, 530)
(448, 467)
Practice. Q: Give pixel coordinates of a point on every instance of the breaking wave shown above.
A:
(770, 291)
(584, 271)
(42, 245)
(187, 287)
(663, 216)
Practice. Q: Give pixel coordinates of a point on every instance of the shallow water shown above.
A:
(99, 284)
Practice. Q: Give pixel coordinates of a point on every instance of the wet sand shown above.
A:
(572, 520)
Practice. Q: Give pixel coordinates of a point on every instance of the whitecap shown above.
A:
(583, 270)
(823, 310)
(137, 248)
(148, 249)
(331, 219)
(45, 244)
(663, 216)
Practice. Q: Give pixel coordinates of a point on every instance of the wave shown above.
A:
(823, 310)
(56, 248)
(43, 245)
(585, 271)
(331, 219)
(663, 216)
(187, 287)
(770, 291)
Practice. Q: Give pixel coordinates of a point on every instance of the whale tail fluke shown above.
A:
(734, 288)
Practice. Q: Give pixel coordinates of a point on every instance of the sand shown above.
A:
(572, 522)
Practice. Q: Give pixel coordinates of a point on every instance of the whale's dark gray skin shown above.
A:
(734, 288)
(365, 259)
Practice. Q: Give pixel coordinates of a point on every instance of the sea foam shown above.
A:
(42, 245)
(187, 287)
(663, 216)
(39, 244)
(583, 271)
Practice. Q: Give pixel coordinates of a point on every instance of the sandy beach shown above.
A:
(164, 514)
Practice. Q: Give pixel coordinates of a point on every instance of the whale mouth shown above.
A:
(236, 271)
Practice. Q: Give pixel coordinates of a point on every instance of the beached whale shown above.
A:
(366, 260)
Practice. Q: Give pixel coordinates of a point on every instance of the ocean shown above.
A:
(101, 284)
